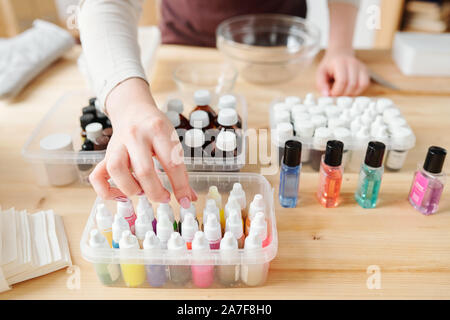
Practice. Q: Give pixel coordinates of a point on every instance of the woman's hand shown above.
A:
(340, 73)
(141, 131)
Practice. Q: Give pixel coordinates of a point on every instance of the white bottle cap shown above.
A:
(304, 129)
(402, 138)
(335, 123)
(144, 207)
(319, 121)
(227, 101)
(228, 244)
(176, 243)
(381, 134)
(94, 131)
(164, 228)
(199, 119)
(212, 229)
(232, 205)
(226, 141)
(344, 102)
(300, 117)
(202, 97)
(259, 225)
(97, 240)
(397, 122)
(213, 193)
(174, 118)
(332, 111)
(366, 119)
(165, 209)
(298, 109)
(189, 227)
(356, 124)
(151, 241)
(344, 135)
(362, 136)
(325, 101)
(103, 217)
(321, 137)
(253, 241)
(125, 208)
(175, 105)
(284, 132)
(57, 142)
(142, 225)
(292, 100)
(281, 106)
(227, 117)
(256, 205)
(210, 209)
(355, 111)
(194, 138)
(119, 225)
(239, 194)
(373, 109)
(383, 104)
(233, 223)
(346, 115)
(309, 99)
(362, 102)
(316, 110)
(200, 244)
(282, 116)
(390, 113)
(192, 210)
(128, 241)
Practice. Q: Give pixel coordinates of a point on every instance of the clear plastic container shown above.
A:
(397, 134)
(215, 163)
(244, 264)
(76, 165)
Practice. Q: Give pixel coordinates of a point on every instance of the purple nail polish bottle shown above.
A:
(429, 182)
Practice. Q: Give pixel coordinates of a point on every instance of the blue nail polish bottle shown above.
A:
(290, 174)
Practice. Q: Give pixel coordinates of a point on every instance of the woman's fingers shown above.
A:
(99, 179)
(118, 166)
(323, 81)
(340, 78)
(363, 80)
(353, 78)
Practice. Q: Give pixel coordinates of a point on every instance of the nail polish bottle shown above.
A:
(229, 101)
(202, 269)
(428, 182)
(133, 274)
(234, 225)
(118, 227)
(156, 273)
(226, 146)
(176, 105)
(190, 227)
(213, 232)
(304, 129)
(290, 174)
(144, 207)
(176, 247)
(283, 133)
(125, 209)
(321, 136)
(194, 142)
(331, 172)
(166, 209)
(370, 175)
(402, 140)
(229, 253)
(202, 99)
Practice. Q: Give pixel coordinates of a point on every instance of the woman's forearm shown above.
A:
(108, 32)
(342, 24)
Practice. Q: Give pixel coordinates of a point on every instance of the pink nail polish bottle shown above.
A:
(202, 270)
(125, 209)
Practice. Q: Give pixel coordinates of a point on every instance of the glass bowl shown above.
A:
(268, 48)
(216, 77)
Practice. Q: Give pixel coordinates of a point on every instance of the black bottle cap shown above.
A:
(92, 101)
(85, 119)
(292, 153)
(89, 109)
(435, 159)
(88, 145)
(333, 153)
(374, 154)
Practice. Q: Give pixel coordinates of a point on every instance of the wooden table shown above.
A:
(323, 253)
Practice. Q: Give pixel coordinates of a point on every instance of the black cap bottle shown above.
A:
(375, 154)
(333, 153)
(435, 160)
(290, 174)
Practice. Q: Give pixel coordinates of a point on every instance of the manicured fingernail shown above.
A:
(167, 200)
(185, 203)
(121, 199)
(141, 193)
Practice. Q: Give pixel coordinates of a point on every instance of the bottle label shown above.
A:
(418, 189)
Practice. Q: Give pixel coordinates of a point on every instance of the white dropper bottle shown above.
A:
(239, 194)
(232, 204)
(156, 273)
(190, 227)
(143, 225)
(133, 274)
(234, 225)
(118, 227)
(125, 209)
(210, 209)
(259, 226)
(229, 253)
(108, 273)
(104, 221)
(257, 205)
(176, 247)
(253, 274)
(164, 229)
(166, 209)
(213, 232)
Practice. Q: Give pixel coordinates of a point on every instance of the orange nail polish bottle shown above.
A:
(331, 171)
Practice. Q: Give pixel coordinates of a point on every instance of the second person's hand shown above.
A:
(141, 131)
